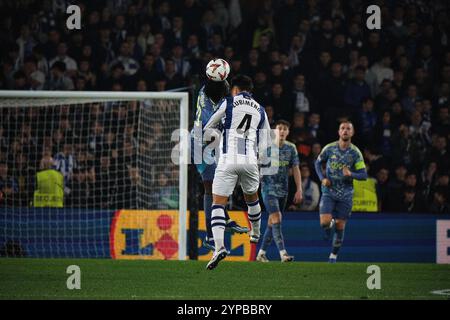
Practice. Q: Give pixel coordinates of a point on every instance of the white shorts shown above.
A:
(228, 175)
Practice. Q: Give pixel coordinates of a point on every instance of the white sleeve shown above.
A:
(217, 116)
(266, 138)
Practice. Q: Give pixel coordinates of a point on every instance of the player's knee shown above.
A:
(251, 197)
(325, 223)
(220, 200)
(275, 217)
(340, 224)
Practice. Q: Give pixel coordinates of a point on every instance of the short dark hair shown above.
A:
(283, 123)
(216, 90)
(243, 82)
(346, 121)
(60, 65)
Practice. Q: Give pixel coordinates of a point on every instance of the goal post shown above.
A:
(41, 125)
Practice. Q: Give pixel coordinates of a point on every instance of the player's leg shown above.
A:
(208, 242)
(207, 174)
(277, 230)
(249, 180)
(326, 208)
(223, 186)
(267, 237)
(254, 215)
(343, 211)
(218, 229)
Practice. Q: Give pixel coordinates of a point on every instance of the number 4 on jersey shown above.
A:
(246, 121)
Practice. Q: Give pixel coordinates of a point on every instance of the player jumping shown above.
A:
(344, 162)
(209, 96)
(238, 162)
(274, 190)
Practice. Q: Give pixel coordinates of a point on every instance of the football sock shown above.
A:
(218, 225)
(254, 215)
(227, 217)
(207, 204)
(267, 239)
(278, 236)
(327, 228)
(338, 238)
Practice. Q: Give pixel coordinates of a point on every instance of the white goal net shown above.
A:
(93, 174)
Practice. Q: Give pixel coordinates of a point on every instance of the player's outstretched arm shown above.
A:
(360, 174)
(298, 197)
(217, 116)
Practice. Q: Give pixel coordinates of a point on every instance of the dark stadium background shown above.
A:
(313, 63)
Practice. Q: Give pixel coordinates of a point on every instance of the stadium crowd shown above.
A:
(313, 63)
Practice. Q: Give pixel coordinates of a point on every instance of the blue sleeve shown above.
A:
(295, 161)
(360, 174)
(318, 167)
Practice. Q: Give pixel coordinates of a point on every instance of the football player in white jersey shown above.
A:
(245, 122)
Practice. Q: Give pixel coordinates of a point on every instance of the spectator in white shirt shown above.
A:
(383, 70)
(130, 65)
(71, 65)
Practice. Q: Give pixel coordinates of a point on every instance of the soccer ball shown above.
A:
(217, 70)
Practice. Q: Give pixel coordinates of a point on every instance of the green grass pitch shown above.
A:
(124, 279)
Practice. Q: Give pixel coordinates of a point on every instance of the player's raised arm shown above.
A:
(217, 116)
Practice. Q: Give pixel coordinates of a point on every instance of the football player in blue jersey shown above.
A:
(207, 103)
(343, 163)
(274, 190)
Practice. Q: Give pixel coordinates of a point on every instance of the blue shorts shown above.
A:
(339, 209)
(205, 170)
(274, 204)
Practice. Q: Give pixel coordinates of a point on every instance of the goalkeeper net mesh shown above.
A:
(68, 165)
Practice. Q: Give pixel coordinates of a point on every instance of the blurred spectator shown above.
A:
(65, 163)
(382, 69)
(61, 55)
(8, 186)
(314, 129)
(58, 80)
(367, 121)
(409, 202)
(130, 65)
(300, 97)
(49, 191)
(395, 186)
(356, 90)
(165, 196)
(382, 134)
(439, 154)
(382, 177)
(440, 202)
(311, 193)
(309, 61)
